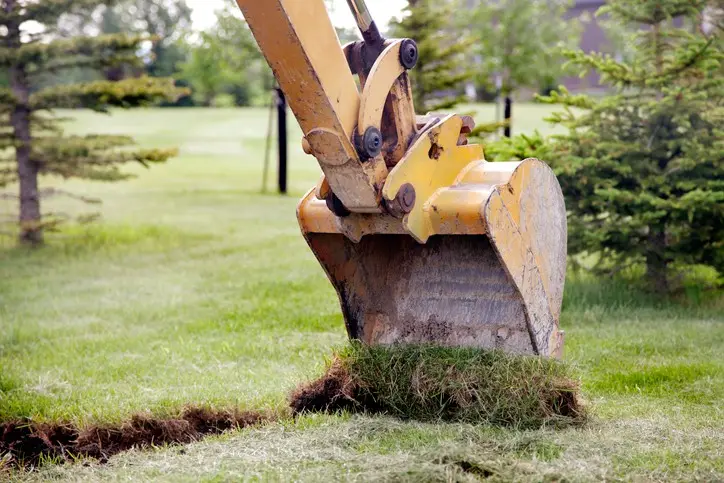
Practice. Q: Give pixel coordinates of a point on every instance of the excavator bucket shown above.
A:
(423, 240)
(491, 276)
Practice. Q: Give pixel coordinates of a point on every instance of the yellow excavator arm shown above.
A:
(423, 240)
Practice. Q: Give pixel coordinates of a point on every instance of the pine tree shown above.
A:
(440, 69)
(32, 142)
(643, 169)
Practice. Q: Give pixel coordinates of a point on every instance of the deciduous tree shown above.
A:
(520, 43)
(441, 69)
(166, 22)
(227, 60)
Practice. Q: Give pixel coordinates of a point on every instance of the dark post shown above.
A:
(507, 115)
(282, 139)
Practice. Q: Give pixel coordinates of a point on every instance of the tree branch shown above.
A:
(104, 49)
(7, 97)
(102, 95)
(48, 11)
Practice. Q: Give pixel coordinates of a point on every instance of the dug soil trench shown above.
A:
(26, 444)
(424, 383)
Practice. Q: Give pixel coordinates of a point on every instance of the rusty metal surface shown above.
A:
(386, 103)
(451, 290)
(433, 162)
(398, 120)
(384, 73)
(526, 223)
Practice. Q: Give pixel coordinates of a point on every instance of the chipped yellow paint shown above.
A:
(301, 45)
(534, 201)
(451, 210)
(526, 224)
(518, 206)
(433, 161)
(532, 251)
(457, 210)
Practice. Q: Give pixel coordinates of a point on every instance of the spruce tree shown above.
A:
(32, 142)
(643, 169)
(440, 69)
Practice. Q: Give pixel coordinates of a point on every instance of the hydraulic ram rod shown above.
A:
(361, 14)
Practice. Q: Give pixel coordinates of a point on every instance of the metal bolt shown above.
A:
(403, 201)
(371, 144)
(408, 54)
(406, 197)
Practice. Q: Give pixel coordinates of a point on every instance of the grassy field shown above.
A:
(197, 288)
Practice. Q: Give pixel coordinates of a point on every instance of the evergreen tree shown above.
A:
(643, 169)
(440, 71)
(31, 139)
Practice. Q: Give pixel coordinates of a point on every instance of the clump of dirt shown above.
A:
(28, 443)
(430, 383)
(334, 391)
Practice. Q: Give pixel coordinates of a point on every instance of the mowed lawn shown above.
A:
(195, 288)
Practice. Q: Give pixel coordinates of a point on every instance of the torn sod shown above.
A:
(26, 444)
(452, 384)
(417, 382)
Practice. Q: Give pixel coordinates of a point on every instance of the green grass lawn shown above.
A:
(197, 288)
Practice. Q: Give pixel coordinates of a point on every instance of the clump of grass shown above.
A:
(431, 383)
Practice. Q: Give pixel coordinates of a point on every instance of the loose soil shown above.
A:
(26, 444)
(334, 391)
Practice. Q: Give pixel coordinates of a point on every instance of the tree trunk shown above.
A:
(30, 227)
(114, 74)
(656, 262)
